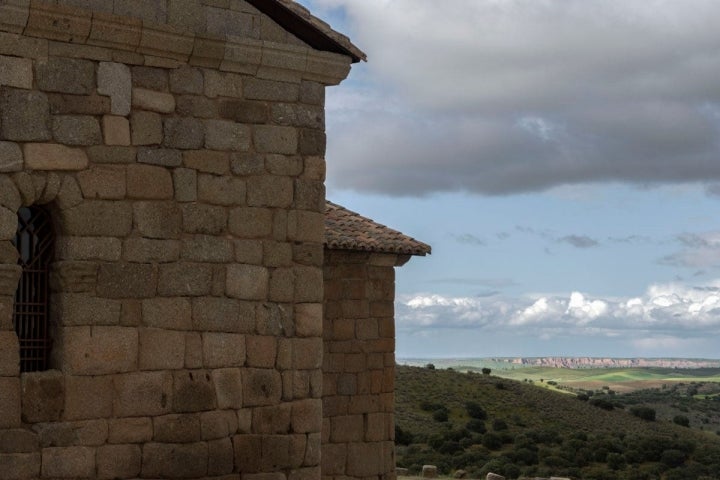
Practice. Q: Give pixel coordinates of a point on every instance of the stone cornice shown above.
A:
(165, 45)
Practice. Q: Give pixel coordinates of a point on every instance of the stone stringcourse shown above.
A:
(204, 326)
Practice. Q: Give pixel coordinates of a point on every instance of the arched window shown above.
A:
(34, 241)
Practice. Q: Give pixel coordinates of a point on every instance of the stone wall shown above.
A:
(185, 178)
(359, 365)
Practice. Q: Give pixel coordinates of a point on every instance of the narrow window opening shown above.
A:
(34, 241)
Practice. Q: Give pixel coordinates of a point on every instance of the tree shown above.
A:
(474, 410)
(681, 420)
(645, 413)
(430, 366)
(486, 371)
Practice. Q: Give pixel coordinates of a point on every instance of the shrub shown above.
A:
(600, 403)
(492, 441)
(583, 397)
(486, 371)
(681, 420)
(440, 415)
(476, 425)
(645, 413)
(402, 437)
(499, 425)
(430, 366)
(673, 458)
(474, 410)
(500, 386)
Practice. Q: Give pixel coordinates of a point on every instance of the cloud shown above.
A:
(469, 239)
(521, 95)
(700, 250)
(579, 241)
(672, 310)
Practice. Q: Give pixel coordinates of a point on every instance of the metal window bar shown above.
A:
(34, 241)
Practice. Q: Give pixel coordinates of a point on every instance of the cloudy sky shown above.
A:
(562, 157)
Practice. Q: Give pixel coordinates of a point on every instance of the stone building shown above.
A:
(163, 253)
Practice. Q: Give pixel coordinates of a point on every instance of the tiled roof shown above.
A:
(299, 21)
(347, 230)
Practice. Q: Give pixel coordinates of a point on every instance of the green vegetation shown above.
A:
(520, 428)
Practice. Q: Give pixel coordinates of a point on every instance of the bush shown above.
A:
(681, 420)
(499, 425)
(673, 458)
(402, 437)
(474, 410)
(440, 415)
(486, 371)
(645, 413)
(583, 397)
(492, 441)
(475, 425)
(600, 403)
(430, 366)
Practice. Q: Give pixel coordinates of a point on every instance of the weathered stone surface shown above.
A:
(129, 430)
(24, 116)
(185, 279)
(88, 397)
(157, 219)
(111, 154)
(68, 462)
(167, 313)
(218, 424)
(193, 391)
(185, 183)
(43, 398)
(308, 320)
(66, 276)
(184, 133)
(174, 460)
(244, 111)
(226, 135)
(65, 75)
(149, 182)
(142, 393)
(146, 128)
(90, 219)
(247, 164)
(228, 387)
(222, 315)
(154, 101)
(76, 130)
(9, 274)
(85, 310)
(150, 78)
(114, 80)
(145, 250)
(275, 139)
(11, 157)
(9, 354)
(127, 280)
(247, 282)
(49, 156)
(99, 350)
(118, 461)
(183, 428)
(311, 142)
(222, 350)
(295, 115)
(161, 349)
(250, 222)
(261, 387)
(186, 80)
(166, 157)
(116, 130)
(103, 182)
(205, 219)
(16, 72)
(19, 441)
(206, 248)
(10, 402)
(258, 89)
(221, 84)
(196, 106)
(221, 190)
(270, 191)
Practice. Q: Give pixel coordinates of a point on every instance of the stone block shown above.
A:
(206, 248)
(221, 457)
(68, 462)
(161, 349)
(244, 111)
(185, 133)
(112, 31)
(75, 277)
(165, 157)
(129, 430)
(221, 21)
(311, 288)
(226, 135)
(99, 350)
(142, 394)
(274, 420)
(114, 80)
(63, 104)
(167, 313)
(91, 219)
(88, 397)
(20, 466)
(247, 282)
(127, 280)
(186, 80)
(270, 191)
(193, 350)
(312, 142)
(275, 139)
(309, 195)
(9, 354)
(247, 164)
(365, 459)
(154, 101)
(261, 351)
(193, 391)
(305, 226)
(185, 183)
(116, 130)
(221, 190)
(42, 396)
(8, 229)
(175, 460)
(150, 78)
(103, 182)
(221, 84)
(19, 440)
(11, 157)
(177, 428)
(228, 387)
(204, 219)
(223, 350)
(260, 89)
(308, 320)
(218, 424)
(24, 116)
(250, 222)
(261, 387)
(295, 115)
(111, 154)
(145, 250)
(118, 461)
(16, 72)
(248, 453)
(196, 106)
(146, 128)
(14, 15)
(315, 168)
(77, 309)
(157, 219)
(212, 314)
(65, 75)
(282, 285)
(50, 156)
(312, 93)
(58, 22)
(307, 416)
(149, 182)
(185, 279)
(284, 165)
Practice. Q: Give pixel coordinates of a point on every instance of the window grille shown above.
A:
(34, 241)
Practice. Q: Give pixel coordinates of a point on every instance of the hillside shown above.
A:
(521, 429)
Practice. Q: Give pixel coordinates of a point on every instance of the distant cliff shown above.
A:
(592, 362)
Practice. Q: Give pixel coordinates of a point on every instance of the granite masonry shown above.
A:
(177, 147)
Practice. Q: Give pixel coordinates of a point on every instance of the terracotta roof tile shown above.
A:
(347, 230)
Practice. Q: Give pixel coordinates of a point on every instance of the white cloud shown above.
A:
(666, 311)
(506, 96)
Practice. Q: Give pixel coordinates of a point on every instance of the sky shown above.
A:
(562, 157)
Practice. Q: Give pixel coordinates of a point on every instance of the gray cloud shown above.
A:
(469, 239)
(619, 90)
(579, 241)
